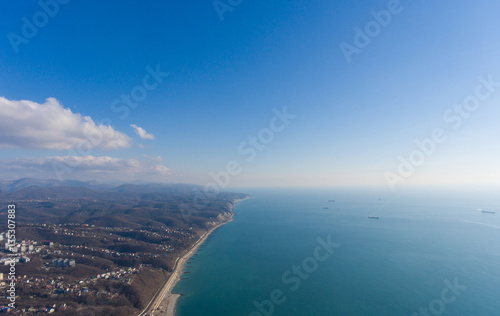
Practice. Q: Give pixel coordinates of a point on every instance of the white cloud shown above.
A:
(153, 158)
(142, 132)
(85, 168)
(27, 124)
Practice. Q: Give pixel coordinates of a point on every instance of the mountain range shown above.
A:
(71, 201)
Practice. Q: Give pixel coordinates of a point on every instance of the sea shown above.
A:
(293, 252)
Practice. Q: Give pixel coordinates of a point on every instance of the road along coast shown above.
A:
(164, 301)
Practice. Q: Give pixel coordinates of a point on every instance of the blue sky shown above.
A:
(353, 119)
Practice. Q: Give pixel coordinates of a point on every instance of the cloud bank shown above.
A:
(85, 168)
(30, 125)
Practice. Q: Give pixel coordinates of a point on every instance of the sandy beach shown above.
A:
(163, 304)
(164, 301)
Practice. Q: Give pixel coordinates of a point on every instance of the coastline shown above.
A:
(164, 297)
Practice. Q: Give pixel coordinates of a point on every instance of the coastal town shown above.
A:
(81, 262)
(84, 270)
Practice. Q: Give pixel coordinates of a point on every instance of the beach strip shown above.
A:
(165, 295)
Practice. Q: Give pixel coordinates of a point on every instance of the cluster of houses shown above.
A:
(59, 286)
(22, 248)
(63, 262)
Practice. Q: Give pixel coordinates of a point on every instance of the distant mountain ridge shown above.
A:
(132, 205)
(44, 193)
(16, 185)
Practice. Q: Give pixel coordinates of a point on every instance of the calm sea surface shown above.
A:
(428, 250)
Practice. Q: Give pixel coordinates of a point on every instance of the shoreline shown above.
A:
(164, 297)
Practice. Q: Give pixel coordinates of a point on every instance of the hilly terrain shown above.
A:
(127, 205)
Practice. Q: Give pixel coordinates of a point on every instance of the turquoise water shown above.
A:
(390, 266)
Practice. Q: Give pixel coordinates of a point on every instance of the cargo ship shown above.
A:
(488, 212)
